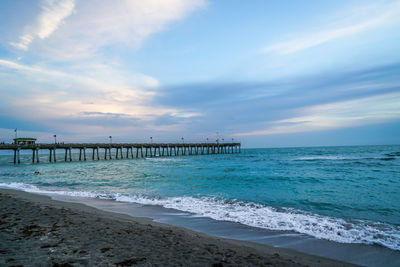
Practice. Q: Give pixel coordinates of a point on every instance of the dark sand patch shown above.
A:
(38, 231)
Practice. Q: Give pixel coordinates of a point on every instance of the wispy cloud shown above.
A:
(287, 105)
(377, 17)
(56, 94)
(100, 23)
(364, 111)
(52, 15)
(74, 81)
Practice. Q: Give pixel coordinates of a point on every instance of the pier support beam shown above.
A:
(68, 153)
(84, 153)
(17, 158)
(52, 155)
(37, 154)
(107, 150)
(95, 153)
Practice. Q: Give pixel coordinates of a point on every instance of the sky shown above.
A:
(265, 73)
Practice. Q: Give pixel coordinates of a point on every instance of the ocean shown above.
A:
(341, 194)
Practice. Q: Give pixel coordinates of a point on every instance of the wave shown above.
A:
(255, 215)
(316, 158)
(311, 158)
(163, 159)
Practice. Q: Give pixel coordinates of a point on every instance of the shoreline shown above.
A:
(37, 229)
(355, 253)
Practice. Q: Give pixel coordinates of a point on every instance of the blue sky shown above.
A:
(267, 73)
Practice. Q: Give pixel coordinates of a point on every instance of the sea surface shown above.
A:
(342, 194)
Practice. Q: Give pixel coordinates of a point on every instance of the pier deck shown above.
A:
(123, 150)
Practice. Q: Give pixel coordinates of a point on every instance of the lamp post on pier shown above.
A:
(151, 139)
(110, 139)
(55, 139)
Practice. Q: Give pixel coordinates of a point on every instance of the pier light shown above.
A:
(55, 139)
(151, 139)
(232, 140)
(222, 140)
(110, 139)
(207, 140)
(183, 140)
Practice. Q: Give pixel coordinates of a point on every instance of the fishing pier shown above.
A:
(121, 151)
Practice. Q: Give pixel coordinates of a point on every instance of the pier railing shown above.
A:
(123, 150)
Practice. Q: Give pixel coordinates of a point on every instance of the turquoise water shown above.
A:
(343, 194)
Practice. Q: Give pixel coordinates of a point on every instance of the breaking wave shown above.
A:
(255, 215)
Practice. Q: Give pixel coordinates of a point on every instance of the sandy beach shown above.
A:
(39, 231)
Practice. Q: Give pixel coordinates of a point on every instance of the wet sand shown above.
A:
(38, 231)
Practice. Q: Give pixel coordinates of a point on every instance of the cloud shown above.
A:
(280, 105)
(52, 15)
(101, 23)
(56, 94)
(359, 112)
(73, 80)
(283, 93)
(108, 114)
(376, 17)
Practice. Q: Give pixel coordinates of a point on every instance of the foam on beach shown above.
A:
(254, 215)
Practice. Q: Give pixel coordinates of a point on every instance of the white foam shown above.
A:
(256, 215)
(262, 216)
(163, 159)
(325, 158)
(34, 189)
